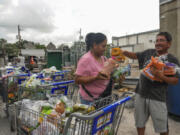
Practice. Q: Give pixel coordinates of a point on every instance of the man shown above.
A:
(150, 99)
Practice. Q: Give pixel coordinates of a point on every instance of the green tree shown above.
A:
(107, 52)
(40, 46)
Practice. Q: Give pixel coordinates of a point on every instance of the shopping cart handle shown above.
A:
(20, 80)
(128, 93)
(40, 76)
(62, 83)
(23, 75)
(9, 69)
(64, 71)
(65, 88)
(58, 75)
(106, 109)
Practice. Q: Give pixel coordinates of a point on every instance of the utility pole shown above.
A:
(19, 36)
(80, 35)
(80, 38)
(4, 53)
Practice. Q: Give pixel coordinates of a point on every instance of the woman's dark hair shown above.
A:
(92, 38)
(166, 35)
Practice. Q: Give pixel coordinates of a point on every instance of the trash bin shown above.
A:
(173, 99)
(54, 58)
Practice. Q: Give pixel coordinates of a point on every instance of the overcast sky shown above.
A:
(59, 21)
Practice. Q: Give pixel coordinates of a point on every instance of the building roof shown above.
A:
(51, 46)
(54, 50)
(141, 33)
(33, 52)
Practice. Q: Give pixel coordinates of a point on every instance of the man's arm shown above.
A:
(170, 80)
(130, 55)
(159, 74)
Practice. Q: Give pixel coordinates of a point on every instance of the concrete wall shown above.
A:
(140, 41)
(170, 21)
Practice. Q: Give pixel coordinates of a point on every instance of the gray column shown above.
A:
(170, 21)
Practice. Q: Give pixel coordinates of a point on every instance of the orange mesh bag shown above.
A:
(155, 63)
(167, 69)
(117, 54)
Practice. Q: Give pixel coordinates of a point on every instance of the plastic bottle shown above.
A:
(178, 70)
(122, 71)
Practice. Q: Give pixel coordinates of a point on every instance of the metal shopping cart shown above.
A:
(105, 119)
(10, 87)
(43, 92)
(61, 75)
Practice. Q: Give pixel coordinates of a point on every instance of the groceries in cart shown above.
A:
(35, 115)
(32, 81)
(12, 77)
(52, 74)
(61, 115)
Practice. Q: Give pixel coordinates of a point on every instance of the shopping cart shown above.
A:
(61, 75)
(43, 91)
(10, 87)
(12, 81)
(105, 119)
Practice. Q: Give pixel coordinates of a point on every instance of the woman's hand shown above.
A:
(102, 76)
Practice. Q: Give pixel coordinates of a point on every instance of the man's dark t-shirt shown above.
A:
(146, 87)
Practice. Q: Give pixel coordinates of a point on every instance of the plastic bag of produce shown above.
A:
(109, 66)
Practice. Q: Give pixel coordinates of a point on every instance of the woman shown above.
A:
(91, 81)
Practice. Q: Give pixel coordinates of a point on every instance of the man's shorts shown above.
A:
(156, 109)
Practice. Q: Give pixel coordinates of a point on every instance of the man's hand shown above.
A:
(161, 76)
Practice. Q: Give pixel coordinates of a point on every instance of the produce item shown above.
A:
(117, 54)
(121, 71)
(80, 108)
(166, 68)
(170, 69)
(68, 111)
(46, 110)
(53, 118)
(32, 81)
(109, 66)
(90, 109)
(123, 90)
(12, 87)
(11, 95)
(107, 130)
(60, 108)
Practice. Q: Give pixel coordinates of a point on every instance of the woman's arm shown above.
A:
(88, 79)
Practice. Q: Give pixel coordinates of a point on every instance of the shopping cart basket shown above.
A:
(107, 118)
